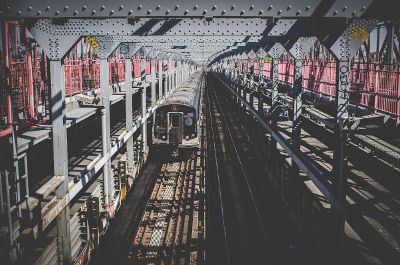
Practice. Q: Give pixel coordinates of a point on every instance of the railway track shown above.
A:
(171, 229)
(370, 181)
(251, 234)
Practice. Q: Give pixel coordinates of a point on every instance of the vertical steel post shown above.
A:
(167, 76)
(179, 73)
(1, 193)
(105, 130)
(144, 112)
(340, 155)
(153, 81)
(251, 83)
(60, 157)
(144, 103)
(129, 115)
(160, 79)
(174, 75)
(274, 96)
(7, 66)
(16, 172)
(260, 81)
(344, 49)
(297, 104)
(244, 72)
(390, 43)
(31, 96)
(8, 203)
(275, 80)
(143, 70)
(170, 73)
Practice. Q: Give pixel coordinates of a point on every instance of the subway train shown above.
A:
(176, 120)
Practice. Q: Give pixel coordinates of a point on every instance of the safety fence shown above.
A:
(372, 85)
(90, 75)
(116, 70)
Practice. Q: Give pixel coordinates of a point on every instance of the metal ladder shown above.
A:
(12, 200)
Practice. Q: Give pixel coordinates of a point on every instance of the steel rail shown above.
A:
(240, 162)
(226, 247)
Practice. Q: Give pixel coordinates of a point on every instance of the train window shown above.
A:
(160, 119)
(175, 120)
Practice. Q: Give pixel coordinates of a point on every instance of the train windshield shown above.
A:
(175, 120)
(161, 120)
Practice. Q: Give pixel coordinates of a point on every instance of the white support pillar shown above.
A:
(160, 79)
(153, 81)
(105, 131)
(168, 80)
(144, 112)
(129, 115)
(144, 102)
(60, 156)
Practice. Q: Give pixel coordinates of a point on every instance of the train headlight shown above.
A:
(188, 121)
(163, 137)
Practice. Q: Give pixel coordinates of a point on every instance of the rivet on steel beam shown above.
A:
(167, 12)
(233, 7)
(176, 7)
(29, 8)
(335, 12)
(251, 7)
(308, 8)
(186, 12)
(130, 12)
(214, 7)
(57, 13)
(242, 12)
(279, 12)
(102, 8)
(205, 11)
(344, 8)
(19, 13)
(149, 12)
(84, 8)
(298, 12)
(354, 13)
(270, 7)
(363, 8)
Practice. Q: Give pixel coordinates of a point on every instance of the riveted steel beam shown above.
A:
(128, 50)
(344, 49)
(151, 8)
(181, 8)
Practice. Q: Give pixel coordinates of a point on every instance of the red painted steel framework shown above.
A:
(24, 90)
(375, 85)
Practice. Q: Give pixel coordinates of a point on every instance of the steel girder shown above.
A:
(181, 8)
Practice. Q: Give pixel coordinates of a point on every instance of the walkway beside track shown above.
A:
(115, 244)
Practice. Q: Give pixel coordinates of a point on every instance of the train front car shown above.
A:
(175, 122)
